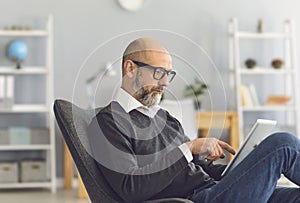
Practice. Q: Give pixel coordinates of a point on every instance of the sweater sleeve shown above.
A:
(213, 170)
(112, 149)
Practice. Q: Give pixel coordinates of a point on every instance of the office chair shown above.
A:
(73, 122)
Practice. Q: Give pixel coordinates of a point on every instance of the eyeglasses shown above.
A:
(158, 72)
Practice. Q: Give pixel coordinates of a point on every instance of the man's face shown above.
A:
(149, 90)
(149, 95)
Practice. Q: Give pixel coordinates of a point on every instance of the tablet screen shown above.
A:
(259, 131)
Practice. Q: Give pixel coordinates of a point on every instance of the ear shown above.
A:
(129, 68)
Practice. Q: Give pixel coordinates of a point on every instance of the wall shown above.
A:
(81, 25)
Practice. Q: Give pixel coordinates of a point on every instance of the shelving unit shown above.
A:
(34, 109)
(288, 74)
(25, 70)
(25, 185)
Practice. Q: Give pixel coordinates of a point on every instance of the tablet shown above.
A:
(260, 130)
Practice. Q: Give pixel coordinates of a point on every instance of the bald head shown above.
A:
(140, 81)
(142, 49)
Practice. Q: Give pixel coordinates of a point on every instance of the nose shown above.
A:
(164, 81)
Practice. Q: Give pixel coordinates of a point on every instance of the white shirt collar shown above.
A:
(129, 103)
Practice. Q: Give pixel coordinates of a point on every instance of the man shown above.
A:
(143, 152)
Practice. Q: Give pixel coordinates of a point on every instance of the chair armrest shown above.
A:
(169, 200)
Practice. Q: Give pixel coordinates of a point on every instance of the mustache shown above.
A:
(159, 88)
(144, 92)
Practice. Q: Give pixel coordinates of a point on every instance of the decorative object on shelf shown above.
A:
(250, 63)
(278, 100)
(260, 26)
(277, 63)
(17, 52)
(131, 5)
(195, 90)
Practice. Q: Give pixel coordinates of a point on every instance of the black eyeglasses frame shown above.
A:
(171, 73)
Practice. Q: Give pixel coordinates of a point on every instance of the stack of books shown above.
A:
(249, 96)
(6, 91)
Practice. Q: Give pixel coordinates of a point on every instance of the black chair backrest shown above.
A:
(73, 122)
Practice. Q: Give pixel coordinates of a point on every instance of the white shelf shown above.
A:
(268, 108)
(26, 108)
(26, 185)
(28, 70)
(24, 147)
(288, 75)
(25, 33)
(46, 70)
(265, 71)
(264, 35)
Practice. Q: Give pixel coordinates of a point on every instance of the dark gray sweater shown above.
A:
(140, 158)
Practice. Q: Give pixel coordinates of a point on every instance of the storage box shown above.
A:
(33, 171)
(8, 172)
(19, 136)
(40, 136)
(4, 136)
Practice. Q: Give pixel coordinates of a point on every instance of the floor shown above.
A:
(61, 196)
(38, 196)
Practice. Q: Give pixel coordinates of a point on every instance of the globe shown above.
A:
(17, 51)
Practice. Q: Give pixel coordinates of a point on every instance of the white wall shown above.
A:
(81, 25)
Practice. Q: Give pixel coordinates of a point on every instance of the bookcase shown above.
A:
(27, 137)
(251, 88)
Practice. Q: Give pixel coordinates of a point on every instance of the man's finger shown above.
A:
(227, 147)
(221, 152)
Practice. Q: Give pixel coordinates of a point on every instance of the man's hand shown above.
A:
(211, 148)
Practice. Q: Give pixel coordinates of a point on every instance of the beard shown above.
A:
(151, 99)
(148, 97)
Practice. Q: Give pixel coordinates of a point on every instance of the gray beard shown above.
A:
(151, 99)
(147, 98)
